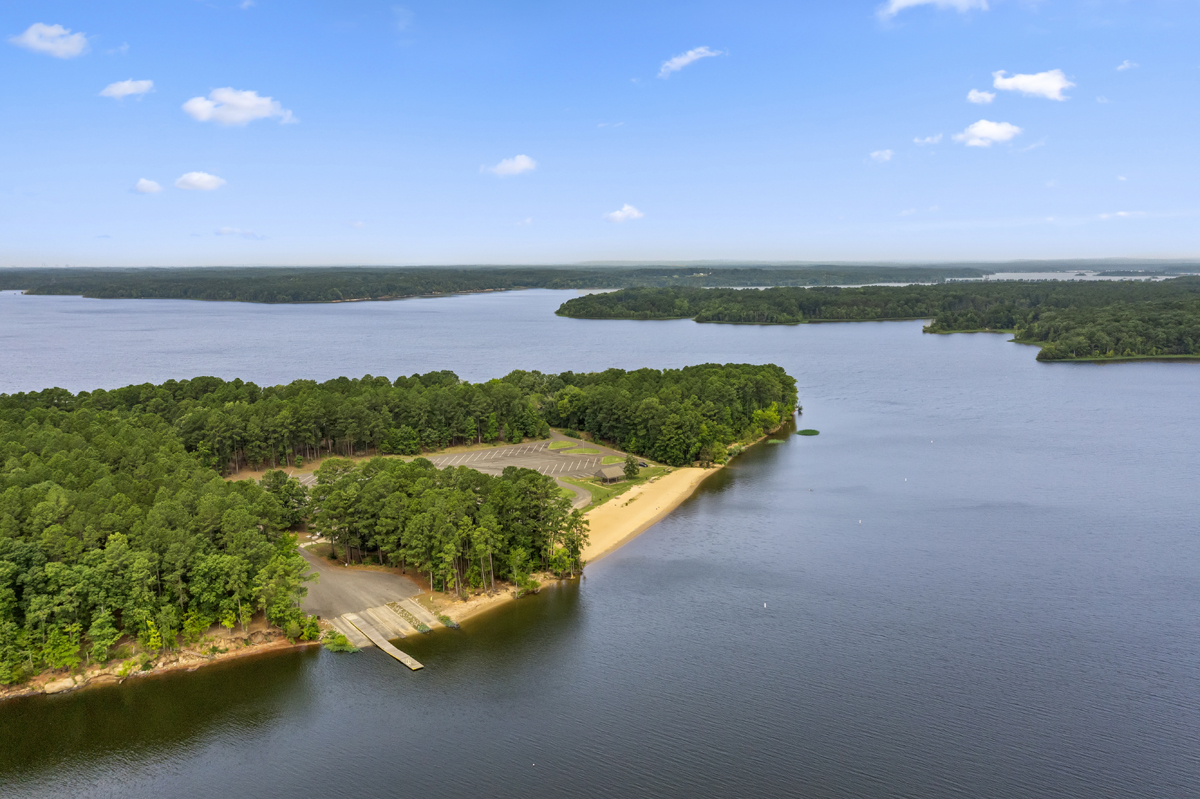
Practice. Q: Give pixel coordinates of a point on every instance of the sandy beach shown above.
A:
(611, 525)
(627, 516)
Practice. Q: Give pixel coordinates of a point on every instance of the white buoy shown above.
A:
(764, 604)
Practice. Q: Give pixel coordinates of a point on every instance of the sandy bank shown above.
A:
(616, 522)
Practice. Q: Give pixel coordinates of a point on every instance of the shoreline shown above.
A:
(619, 521)
(612, 525)
(183, 659)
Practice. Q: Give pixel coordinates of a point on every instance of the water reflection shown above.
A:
(145, 717)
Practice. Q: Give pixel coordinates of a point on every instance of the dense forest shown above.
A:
(1071, 320)
(115, 519)
(669, 415)
(108, 526)
(459, 526)
(340, 284)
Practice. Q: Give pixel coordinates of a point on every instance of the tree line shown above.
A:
(1076, 319)
(340, 284)
(671, 416)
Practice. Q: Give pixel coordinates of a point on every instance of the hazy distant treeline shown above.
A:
(1094, 319)
(339, 284)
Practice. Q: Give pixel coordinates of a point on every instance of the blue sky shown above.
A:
(456, 132)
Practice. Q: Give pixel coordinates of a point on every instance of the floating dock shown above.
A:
(364, 626)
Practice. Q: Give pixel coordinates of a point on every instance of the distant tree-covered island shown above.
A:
(346, 284)
(119, 531)
(1069, 320)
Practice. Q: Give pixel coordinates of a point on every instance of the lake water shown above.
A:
(981, 579)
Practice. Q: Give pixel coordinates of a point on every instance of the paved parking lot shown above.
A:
(537, 456)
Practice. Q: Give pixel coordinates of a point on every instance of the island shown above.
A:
(1083, 320)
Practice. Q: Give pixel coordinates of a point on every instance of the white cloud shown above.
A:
(229, 106)
(984, 133)
(246, 4)
(52, 40)
(199, 181)
(1121, 177)
(403, 17)
(511, 166)
(908, 212)
(356, 225)
(928, 140)
(1102, 100)
(233, 231)
(144, 186)
(626, 213)
(894, 7)
(124, 88)
(1123, 215)
(1126, 64)
(1048, 84)
(526, 222)
(880, 156)
(680, 61)
(980, 98)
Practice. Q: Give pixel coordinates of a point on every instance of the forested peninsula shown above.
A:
(1069, 320)
(118, 529)
(344, 284)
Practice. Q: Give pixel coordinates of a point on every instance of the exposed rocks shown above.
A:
(59, 686)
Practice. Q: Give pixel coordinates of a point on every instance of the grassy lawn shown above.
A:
(563, 444)
(603, 493)
(584, 451)
(608, 460)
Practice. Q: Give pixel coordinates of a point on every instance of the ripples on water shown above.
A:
(1016, 615)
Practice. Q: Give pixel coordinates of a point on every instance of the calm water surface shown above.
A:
(981, 579)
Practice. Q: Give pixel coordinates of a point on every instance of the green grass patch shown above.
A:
(563, 444)
(336, 642)
(775, 441)
(808, 432)
(603, 493)
(608, 460)
(585, 451)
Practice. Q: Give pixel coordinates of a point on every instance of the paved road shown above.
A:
(340, 590)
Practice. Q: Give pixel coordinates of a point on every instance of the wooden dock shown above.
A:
(363, 623)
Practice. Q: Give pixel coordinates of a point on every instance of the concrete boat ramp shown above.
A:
(375, 626)
(370, 608)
